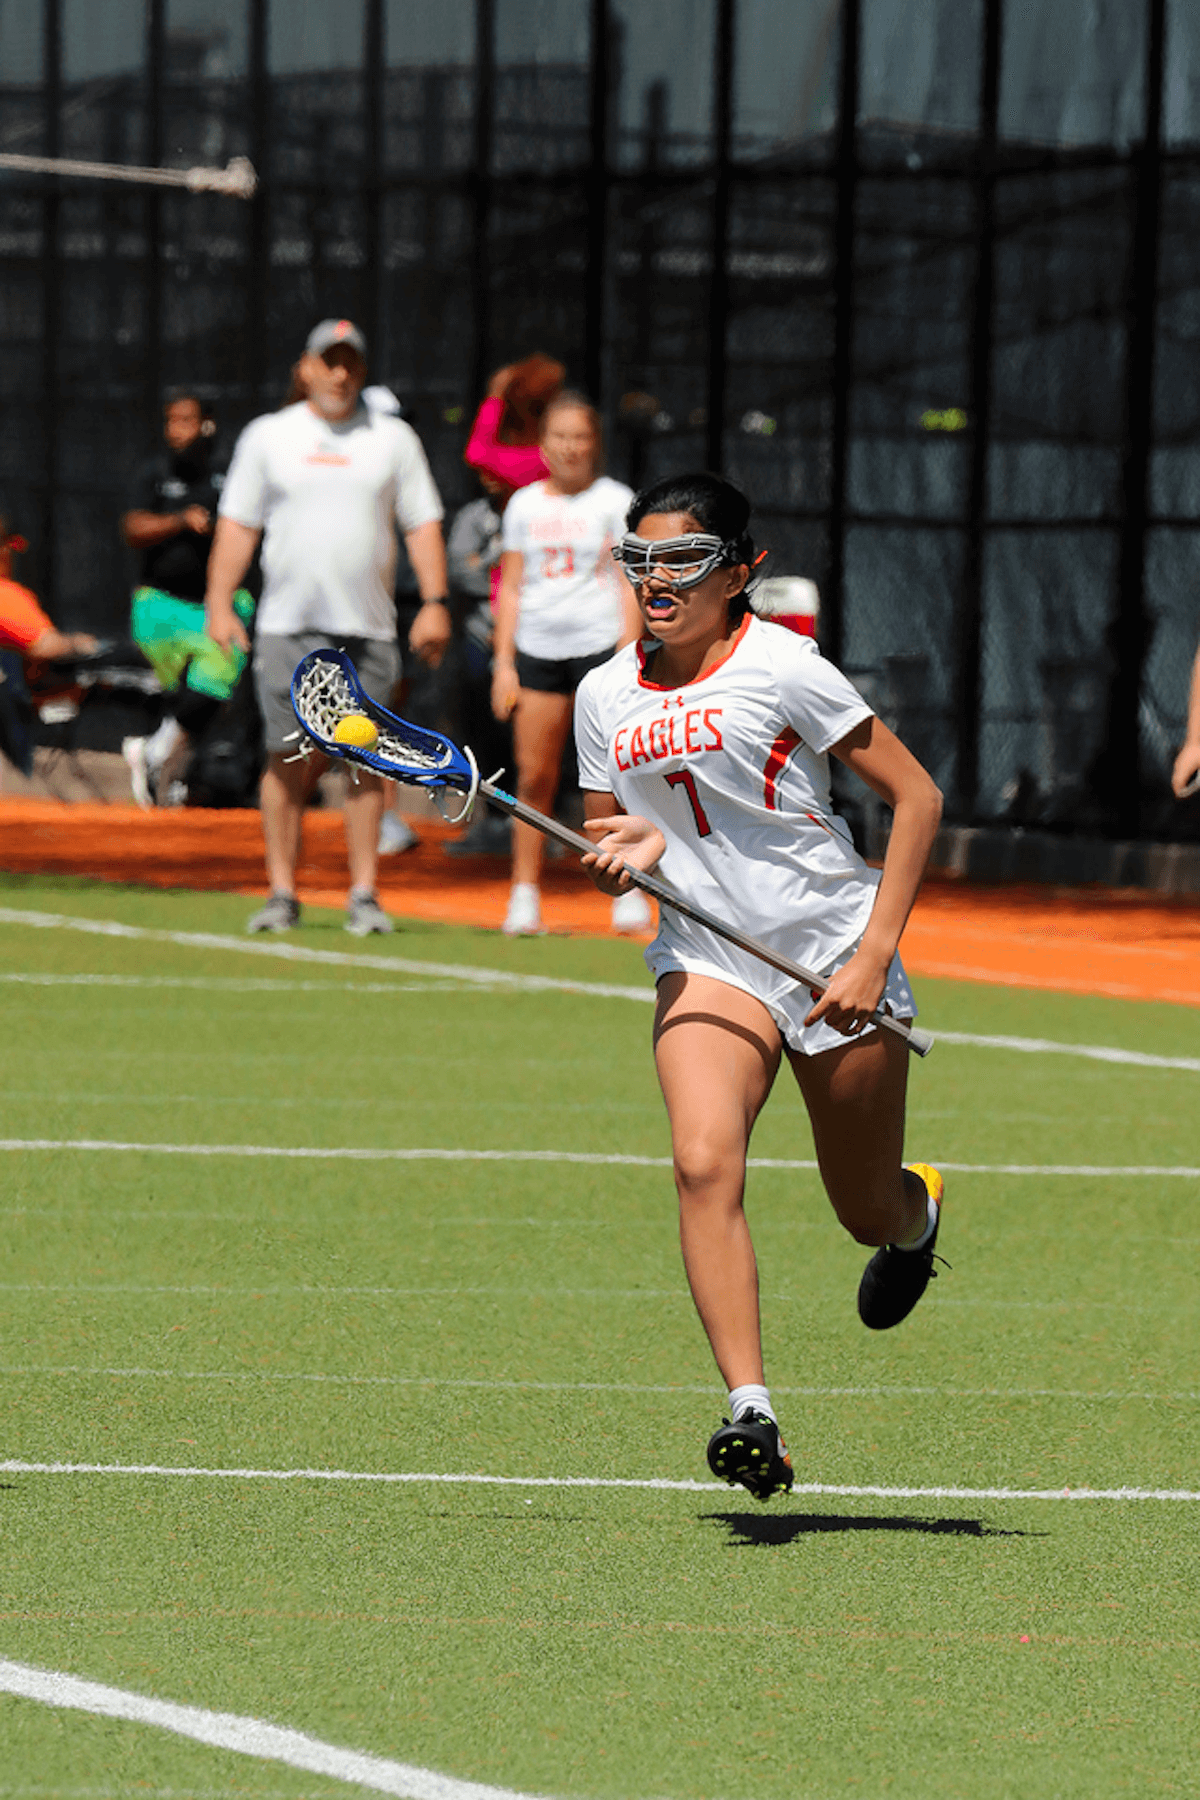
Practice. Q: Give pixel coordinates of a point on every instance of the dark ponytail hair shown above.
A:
(718, 508)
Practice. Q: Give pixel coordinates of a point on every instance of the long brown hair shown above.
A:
(532, 386)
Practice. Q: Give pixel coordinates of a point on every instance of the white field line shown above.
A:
(244, 1736)
(492, 978)
(338, 959)
(656, 1485)
(355, 1153)
(476, 1290)
(229, 984)
(888, 1391)
(1047, 1047)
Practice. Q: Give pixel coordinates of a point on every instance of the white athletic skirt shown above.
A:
(787, 1004)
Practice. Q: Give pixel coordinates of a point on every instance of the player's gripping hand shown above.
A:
(853, 993)
(623, 842)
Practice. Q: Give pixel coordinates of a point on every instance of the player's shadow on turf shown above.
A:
(785, 1528)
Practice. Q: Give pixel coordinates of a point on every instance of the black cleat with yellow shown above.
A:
(750, 1452)
(894, 1279)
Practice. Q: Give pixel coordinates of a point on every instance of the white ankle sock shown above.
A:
(931, 1219)
(750, 1398)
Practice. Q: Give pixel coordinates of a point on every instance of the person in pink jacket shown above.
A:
(505, 441)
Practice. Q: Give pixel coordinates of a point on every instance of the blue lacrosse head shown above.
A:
(326, 689)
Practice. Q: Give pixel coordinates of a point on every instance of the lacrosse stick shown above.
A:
(237, 178)
(325, 689)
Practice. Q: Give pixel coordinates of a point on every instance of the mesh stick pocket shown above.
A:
(325, 690)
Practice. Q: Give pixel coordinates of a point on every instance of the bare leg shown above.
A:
(286, 786)
(855, 1100)
(717, 1051)
(540, 726)
(362, 809)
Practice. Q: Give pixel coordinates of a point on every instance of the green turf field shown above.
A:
(528, 1319)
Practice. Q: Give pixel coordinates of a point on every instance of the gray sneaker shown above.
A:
(281, 913)
(365, 916)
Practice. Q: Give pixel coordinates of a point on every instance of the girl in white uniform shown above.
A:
(562, 608)
(704, 755)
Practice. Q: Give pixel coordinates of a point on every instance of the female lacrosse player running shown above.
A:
(562, 608)
(703, 753)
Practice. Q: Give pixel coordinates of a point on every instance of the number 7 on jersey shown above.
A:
(683, 778)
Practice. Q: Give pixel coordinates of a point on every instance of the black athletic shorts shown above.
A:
(545, 676)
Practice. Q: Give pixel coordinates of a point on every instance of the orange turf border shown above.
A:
(1124, 943)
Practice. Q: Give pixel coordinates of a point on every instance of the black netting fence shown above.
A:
(924, 275)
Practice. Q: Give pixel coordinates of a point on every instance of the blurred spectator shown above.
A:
(170, 519)
(505, 440)
(27, 637)
(563, 608)
(473, 554)
(325, 483)
(1185, 776)
(505, 449)
(395, 832)
(24, 627)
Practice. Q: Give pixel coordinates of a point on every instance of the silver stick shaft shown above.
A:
(916, 1039)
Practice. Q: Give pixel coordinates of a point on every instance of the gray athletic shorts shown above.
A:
(376, 659)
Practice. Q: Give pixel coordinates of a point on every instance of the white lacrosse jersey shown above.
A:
(733, 768)
(570, 587)
(329, 496)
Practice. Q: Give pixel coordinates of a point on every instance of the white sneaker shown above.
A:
(133, 749)
(632, 912)
(395, 835)
(524, 916)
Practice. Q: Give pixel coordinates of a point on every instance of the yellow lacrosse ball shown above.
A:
(356, 729)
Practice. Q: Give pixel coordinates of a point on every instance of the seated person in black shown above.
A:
(170, 520)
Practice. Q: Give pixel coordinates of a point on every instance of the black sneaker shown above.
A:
(751, 1452)
(894, 1279)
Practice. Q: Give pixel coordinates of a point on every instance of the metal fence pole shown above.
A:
(481, 193)
(373, 82)
(254, 363)
(1116, 774)
(718, 289)
(152, 367)
(968, 647)
(596, 199)
(51, 273)
(843, 328)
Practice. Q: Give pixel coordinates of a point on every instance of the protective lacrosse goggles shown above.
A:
(678, 562)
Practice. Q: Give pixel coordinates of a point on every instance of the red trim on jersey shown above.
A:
(781, 749)
(667, 687)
